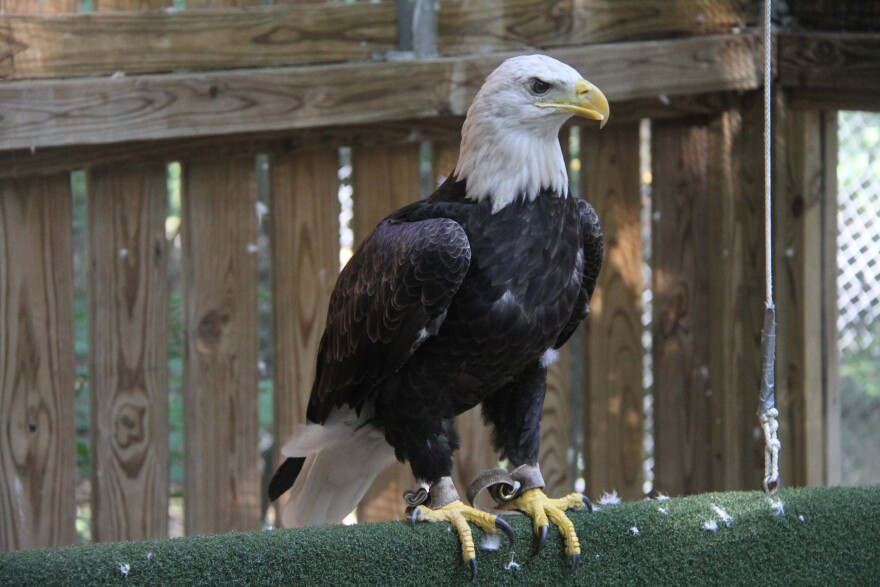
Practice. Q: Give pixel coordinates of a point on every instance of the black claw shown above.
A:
(414, 517)
(588, 503)
(505, 527)
(473, 565)
(542, 540)
(575, 562)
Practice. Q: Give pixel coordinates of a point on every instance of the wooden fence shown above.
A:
(124, 89)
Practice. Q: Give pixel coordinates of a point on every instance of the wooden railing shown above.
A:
(125, 90)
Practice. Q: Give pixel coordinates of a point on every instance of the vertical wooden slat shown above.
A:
(804, 294)
(384, 178)
(612, 340)
(679, 156)
(128, 352)
(830, 335)
(556, 427)
(445, 156)
(736, 292)
(305, 261)
(37, 437)
(221, 477)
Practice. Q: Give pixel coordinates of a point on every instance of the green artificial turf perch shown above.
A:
(817, 536)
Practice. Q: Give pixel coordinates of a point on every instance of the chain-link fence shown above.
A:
(858, 219)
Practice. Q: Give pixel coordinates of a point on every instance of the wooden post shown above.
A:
(221, 477)
(612, 335)
(384, 178)
(735, 198)
(830, 336)
(805, 286)
(128, 367)
(37, 436)
(304, 211)
(679, 158)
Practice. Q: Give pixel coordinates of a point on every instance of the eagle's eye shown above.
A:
(539, 87)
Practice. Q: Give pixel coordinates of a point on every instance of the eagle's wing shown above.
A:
(593, 250)
(390, 297)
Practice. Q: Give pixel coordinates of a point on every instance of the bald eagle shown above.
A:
(456, 301)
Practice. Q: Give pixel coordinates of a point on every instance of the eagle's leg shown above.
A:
(515, 413)
(445, 506)
(429, 451)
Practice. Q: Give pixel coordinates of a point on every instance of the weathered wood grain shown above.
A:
(840, 62)
(128, 355)
(135, 42)
(127, 39)
(613, 395)
(106, 5)
(679, 159)
(39, 6)
(802, 298)
(54, 159)
(383, 178)
(441, 129)
(25, 7)
(37, 436)
(466, 26)
(76, 112)
(304, 212)
(221, 478)
(736, 292)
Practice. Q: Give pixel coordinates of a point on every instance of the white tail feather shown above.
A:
(343, 457)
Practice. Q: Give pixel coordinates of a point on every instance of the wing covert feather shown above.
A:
(592, 254)
(389, 298)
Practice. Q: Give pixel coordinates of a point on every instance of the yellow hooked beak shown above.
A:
(588, 102)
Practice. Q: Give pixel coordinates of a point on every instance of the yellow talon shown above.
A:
(535, 504)
(459, 514)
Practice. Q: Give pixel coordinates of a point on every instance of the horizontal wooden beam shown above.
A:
(841, 62)
(442, 128)
(53, 159)
(136, 42)
(43, 113)
(465, 26)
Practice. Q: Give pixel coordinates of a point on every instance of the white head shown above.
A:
(509, 142)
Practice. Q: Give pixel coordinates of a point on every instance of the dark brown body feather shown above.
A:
(447, 305)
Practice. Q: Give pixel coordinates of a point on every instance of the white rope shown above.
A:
(768, 140)
(768, 412)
